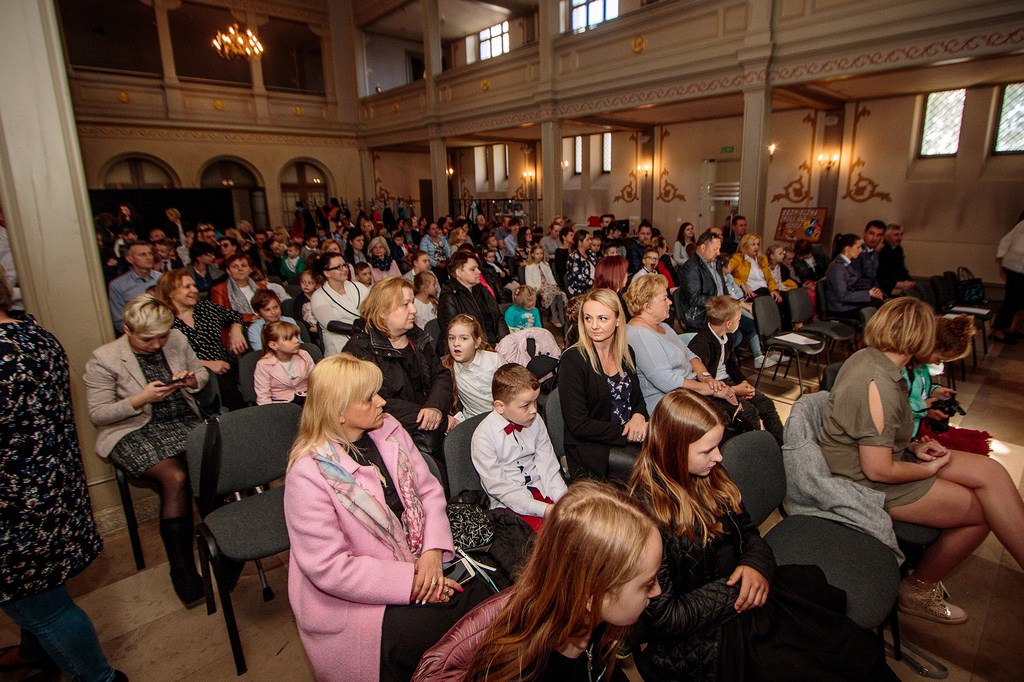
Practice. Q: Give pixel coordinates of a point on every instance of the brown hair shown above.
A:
(277, 331)
(523, 295)
(721, 309)
(681, 503)
(262, 298)
(385, 296)
(510, 380)
(953, 336)
(167, 283)
(477, 333)
(641, 290)
(905, 326)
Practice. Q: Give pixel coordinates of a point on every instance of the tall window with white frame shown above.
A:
(606, 153)
(943, 115)
(1010, 128)
(589, 13)
(494, 41)
(577, 155)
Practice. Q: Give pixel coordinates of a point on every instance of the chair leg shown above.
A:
(268, 592)
(930, 667)
(129, 518)
(799, 377)
(204, 567)
(225, 603)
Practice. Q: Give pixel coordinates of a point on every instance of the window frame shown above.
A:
(924, 119)
(577, 155)
(503, 36)
(572, 6)
(999, 121)
(606, 153)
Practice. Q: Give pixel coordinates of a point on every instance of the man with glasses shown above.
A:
(136, 281)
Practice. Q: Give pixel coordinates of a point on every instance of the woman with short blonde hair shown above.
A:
(749, 267)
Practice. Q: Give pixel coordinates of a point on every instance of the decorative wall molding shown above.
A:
(862, 189)
(199, 135)
(799, 190)
(630, 192)
(667, 192)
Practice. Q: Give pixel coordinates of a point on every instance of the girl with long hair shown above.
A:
(593, 569)
(539, 276)
(726, 611)
(473, 363)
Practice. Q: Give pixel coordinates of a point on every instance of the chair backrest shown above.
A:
(293, 290)
(687, 337)
(831, 372)
(866, 313)
(208, 400)
(766, 316)
(927, 291)
(254, 447)
(555, 423)
(433, 330)
(246, 372)
(458, 457)
(800, 308)
(945, 295)
(821, 297)
(680, 302)
(314, 351)
(951, 280)
(754, 463)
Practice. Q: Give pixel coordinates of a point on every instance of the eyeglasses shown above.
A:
(334, 267)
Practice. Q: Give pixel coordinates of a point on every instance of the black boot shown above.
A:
(178, 538)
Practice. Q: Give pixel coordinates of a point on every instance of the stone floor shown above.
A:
(147, 633)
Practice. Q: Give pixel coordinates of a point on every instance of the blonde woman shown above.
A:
(751, 271)
(602, 403)
(540, 277)
(368, 531)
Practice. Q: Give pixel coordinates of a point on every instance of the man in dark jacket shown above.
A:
(462, 293)
(893, 275)
(703, 279)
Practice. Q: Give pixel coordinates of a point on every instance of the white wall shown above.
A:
(387, 62)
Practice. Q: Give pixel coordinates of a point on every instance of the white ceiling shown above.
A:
(459, 18)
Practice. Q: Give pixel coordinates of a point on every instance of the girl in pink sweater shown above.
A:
(282, 372)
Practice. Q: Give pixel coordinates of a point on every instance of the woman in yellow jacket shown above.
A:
(751, 270)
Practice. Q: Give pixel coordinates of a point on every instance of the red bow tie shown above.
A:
(510, 427)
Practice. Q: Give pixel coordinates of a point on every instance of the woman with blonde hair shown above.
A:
(866, 437)
(415, 384)
(602, 402)
(368, 531)
(539, 276)
(139, 392)
(593, 570)
(726, 611)
(751, 270)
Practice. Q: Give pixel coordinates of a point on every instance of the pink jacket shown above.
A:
(340, 577)
(273, 385)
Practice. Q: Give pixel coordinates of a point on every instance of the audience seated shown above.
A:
(436, 247)
(417, 388)
(848, 290)
(702, 279)
(539, 276)
(137, 280)
(144, 430)
(426, 287)
(809, 261)
(592, 572)
(382, 264)
(866, 264)
(602, 402)
(283, 370)
(236, 292)
(561, 260)
(368, 531)
(751, 270)
(302, 304)
(893, 276)
(267, 306)
(512, 452)
(473, 363)
(726, 611)
(337, 301)
(462, 293)
(579, 272)
(523, 313)
(866, 437)
(687, 235)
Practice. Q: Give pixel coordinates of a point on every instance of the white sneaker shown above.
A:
(760, 362)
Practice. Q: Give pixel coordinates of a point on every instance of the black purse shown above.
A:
(969, 289)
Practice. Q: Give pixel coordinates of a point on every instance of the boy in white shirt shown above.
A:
(512, 452)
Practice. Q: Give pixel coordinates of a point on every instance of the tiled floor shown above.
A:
(148, 634)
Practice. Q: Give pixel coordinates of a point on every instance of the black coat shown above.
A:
(700, 288)
(707, 347)
(587, 411)
(684, 624)
(404, 402)
(805, 272)
(456, 299)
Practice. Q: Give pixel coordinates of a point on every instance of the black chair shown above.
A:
(239, 455)
(801, 312)
(828, 379)
(768, 322)
(458, 459)
(314, 351)
(620, 460)
(433, 330)
(680, 303)
(246, 371)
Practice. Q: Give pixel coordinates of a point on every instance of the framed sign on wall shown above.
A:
(800, 223)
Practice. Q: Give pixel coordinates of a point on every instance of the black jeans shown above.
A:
(1012, 300)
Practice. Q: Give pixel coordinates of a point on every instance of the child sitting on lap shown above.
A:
(282, 372)
(512, 452)
(523, 314)
(267, 306)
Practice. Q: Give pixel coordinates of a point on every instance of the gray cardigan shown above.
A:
(113, 376)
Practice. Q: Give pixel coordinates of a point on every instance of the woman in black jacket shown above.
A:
(726, 611)
(418, 390)
(602, 404)
(462, 294)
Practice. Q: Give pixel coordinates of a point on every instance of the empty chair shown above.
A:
(238, 455)
(801, 312)
(768, 321)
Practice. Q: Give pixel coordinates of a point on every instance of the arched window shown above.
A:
(139, 172)
(302, 181)
(247, 192)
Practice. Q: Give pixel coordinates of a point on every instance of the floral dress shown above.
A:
(579, 274)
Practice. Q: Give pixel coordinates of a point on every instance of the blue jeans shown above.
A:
(64, 631)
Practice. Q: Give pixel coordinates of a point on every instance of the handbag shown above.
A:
(471, 529)
(969, 289)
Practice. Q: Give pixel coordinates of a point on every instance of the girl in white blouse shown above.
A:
(539, 276)
(473, 364)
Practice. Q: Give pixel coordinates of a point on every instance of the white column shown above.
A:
(43, 191)
(550, 170)
(754, 155)
(439, 175)
(172, 88)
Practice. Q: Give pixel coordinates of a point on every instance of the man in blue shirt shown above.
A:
(136, 281)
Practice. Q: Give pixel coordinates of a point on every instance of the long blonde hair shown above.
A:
(681, 503)
(590, 546)
(335, 384)
(620, 347)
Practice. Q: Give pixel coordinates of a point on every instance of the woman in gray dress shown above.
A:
(140, 394)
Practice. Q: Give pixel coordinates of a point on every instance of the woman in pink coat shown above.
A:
(369, 535)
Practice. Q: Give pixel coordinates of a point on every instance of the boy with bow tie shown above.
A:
(512, 452)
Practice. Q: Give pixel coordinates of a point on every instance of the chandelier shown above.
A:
(237, 45)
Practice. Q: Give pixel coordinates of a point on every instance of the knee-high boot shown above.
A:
(179, 541)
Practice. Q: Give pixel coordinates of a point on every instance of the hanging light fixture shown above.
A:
(234, 44)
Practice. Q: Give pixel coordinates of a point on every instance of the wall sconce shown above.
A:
(565, 165)
(771, 151)
(449, 171)
(827, 162)
(527, 174)
(644, 168)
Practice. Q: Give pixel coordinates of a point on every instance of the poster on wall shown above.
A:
(800, 223)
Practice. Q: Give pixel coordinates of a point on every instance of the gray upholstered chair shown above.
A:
(458, 458)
